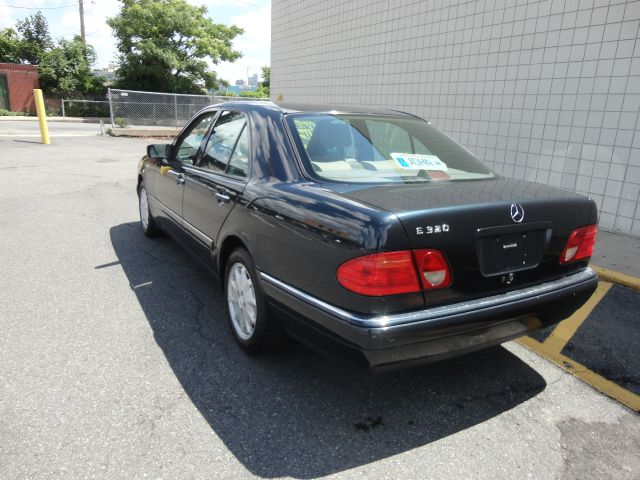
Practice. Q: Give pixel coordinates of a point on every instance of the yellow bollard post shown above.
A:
(42, 116)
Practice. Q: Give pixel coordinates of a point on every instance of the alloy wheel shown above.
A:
(241, 298)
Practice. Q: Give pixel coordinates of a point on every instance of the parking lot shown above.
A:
(116, 362)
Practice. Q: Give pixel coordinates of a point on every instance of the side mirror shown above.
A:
(160, 151)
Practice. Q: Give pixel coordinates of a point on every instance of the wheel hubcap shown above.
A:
(241, 298)
(144, 208)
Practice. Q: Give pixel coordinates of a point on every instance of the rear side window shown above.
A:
(227, 145)
(239, 162)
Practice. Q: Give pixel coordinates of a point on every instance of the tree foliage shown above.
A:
(65, 68)
(10, 47)
(35, 38)
(165, 45)
(266, 76)
(259, 93)
(265, 86)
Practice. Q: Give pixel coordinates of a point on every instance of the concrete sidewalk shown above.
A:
(132, 131)
(151, 132)
(617, 252)
(21, 118)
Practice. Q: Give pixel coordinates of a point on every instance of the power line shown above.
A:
(250, 3)
(69, 5)
(39, 8)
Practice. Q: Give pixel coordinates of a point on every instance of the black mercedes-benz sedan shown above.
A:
(368, 233)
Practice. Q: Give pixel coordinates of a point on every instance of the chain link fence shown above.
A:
(150, 109)
(84, 108)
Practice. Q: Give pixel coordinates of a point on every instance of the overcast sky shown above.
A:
(254, 16)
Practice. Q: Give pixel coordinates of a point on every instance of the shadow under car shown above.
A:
(298, 413)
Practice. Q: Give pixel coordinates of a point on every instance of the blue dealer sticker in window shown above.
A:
(414, 161)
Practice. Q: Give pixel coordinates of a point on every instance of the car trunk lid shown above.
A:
(497, 235)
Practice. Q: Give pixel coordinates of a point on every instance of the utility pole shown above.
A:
(84, 40)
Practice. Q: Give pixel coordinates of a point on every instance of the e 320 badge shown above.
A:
(429, 229)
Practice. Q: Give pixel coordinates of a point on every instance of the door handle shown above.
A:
(180, 179)
(223, 197)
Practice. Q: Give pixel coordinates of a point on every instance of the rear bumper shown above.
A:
(431, 333)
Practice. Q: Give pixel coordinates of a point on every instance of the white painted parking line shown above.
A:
(66, 134)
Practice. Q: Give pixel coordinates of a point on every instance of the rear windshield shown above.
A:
(380, 149)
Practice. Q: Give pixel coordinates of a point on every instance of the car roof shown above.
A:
(312, 108)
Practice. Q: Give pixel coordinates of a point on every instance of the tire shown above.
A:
(252, 325)
(147, 222)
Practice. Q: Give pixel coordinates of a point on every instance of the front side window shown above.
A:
(222, 141)
(380, 149)
(187, 147)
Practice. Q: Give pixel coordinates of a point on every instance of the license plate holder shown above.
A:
(512, 248)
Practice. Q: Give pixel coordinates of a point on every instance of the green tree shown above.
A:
(10, 46)
(264, 89)
(259, 93)
(266, 76)
(164, 45)
(35, 38)
(66, 69)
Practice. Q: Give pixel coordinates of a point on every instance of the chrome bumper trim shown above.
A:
(382, 321)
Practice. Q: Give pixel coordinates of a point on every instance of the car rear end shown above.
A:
(487, 251)
(492, 258)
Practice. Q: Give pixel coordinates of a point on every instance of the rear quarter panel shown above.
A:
(301, 236)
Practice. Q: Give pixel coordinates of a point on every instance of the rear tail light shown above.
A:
(580, 244)
(394, 273)
(433, 269)
(388, 273)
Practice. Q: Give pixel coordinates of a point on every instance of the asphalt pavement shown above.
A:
(116, 362)
(606, 341)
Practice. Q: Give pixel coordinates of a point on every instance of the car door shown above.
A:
(214, 185)
(169, 182)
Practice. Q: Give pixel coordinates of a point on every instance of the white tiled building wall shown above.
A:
(547, 91)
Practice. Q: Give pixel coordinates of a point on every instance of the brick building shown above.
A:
(17, 82)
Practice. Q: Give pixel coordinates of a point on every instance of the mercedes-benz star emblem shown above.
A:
(517, 212)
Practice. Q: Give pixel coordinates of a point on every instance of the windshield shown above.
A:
(380, 149)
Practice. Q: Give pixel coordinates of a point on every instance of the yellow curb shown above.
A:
(598, 382)
(567, 328)
(617, 277)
